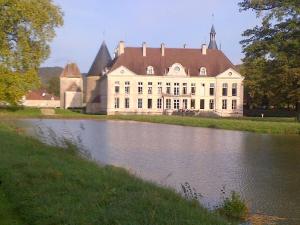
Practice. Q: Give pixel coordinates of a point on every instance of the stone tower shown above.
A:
(71, 87)
(212, 41)
(96, 73)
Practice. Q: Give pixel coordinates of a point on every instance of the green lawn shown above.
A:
(270, 125)
(43, 185)
(258, 125)
(7, 216)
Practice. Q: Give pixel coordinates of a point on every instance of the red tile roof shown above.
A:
(40, 95)
(192, 60)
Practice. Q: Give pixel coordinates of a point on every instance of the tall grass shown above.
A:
(49, 185)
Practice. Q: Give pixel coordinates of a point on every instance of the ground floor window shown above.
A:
(176, 103)
(202, 104)
(168, 103)
(140, 103)
(127, 103)
(211, 104)
(185, 103)
(192, 103)
(224, 104)
(159, 103)
(234, 104)
(117, 103)
(149, 103)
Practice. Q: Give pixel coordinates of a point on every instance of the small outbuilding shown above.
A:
(40, 99)
(71, 87)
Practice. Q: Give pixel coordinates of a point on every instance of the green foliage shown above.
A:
(53, 86)
(272, 53)
(26, 28)
(234, 207)
(13, 85)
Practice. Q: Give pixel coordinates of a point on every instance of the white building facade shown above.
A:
(142, 80)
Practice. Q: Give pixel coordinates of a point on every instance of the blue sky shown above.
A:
(173, 22)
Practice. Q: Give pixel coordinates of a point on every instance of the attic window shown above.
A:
(150, 70)
(203, 71)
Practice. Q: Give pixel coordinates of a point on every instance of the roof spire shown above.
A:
(101, 62)
(212, 42)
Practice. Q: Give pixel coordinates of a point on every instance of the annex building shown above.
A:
(144, 80)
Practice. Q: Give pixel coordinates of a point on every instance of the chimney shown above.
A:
(204, 49)
(144, 49)
(162, 46)
(121, 48)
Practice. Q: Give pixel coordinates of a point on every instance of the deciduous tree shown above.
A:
(272, 53)
(26, 29)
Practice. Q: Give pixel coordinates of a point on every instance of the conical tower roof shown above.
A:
(212, 30)
(212, 42)
(102, 60)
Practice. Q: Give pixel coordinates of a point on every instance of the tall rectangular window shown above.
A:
(127, 87)
(202, 89)
(127, 103)
(140, 88)
(211, 104)
(234, 104)
(159, 88)
(168, 88)
(117, 103)
(193, 104)
(117, 87)
(224, 89)
(234, 89)
(202, 104)
(168, 103)
(149, 88)
(176, 103)
(184, 88)
(159, 103)
(193, 88)
(184, 103)
(212, 89)
(176, 88)
(149, 103)
(140, 103)
(224, 104)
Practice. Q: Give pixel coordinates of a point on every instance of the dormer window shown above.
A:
(177, 69)
(203, 71)
(150, 70)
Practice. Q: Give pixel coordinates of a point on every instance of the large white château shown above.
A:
(144, 80)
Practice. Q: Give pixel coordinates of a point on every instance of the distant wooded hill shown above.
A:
(47, 73)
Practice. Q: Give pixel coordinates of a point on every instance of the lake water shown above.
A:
(263, 169)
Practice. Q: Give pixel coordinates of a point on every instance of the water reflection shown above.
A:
(264, 169)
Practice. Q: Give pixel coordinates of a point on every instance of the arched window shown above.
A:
(150, 70)
(202, 71)
(177, 69)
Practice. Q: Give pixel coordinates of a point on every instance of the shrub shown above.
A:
(233, 207)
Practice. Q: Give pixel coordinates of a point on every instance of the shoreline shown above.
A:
(29, 169)
(281, 126)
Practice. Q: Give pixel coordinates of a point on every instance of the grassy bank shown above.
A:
(48, 185)
(259, 125)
